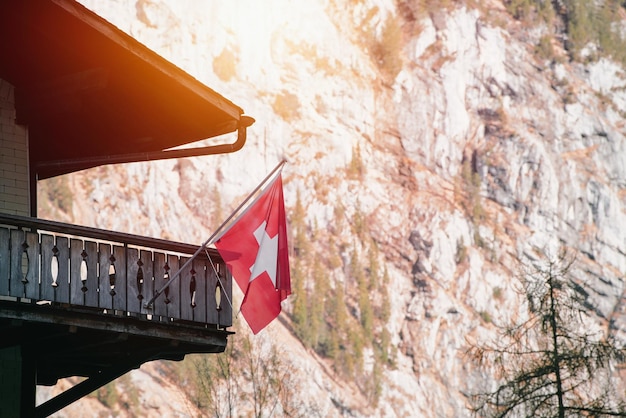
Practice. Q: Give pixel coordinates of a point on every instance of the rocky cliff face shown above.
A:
(474, 152)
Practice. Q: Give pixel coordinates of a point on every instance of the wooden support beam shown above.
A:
(175, 331)
(84, 388)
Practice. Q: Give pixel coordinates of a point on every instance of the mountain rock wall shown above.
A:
(476, 153)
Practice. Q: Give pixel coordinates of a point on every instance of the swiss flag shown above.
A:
(256, 252)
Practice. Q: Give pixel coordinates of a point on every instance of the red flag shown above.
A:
(256, 252)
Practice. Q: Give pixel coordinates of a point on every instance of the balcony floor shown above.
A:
(67, 342)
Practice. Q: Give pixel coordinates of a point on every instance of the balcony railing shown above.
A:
(78, 268)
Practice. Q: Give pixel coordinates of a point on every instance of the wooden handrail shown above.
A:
(85, 231)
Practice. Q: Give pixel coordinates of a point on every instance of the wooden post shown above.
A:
(17, 383)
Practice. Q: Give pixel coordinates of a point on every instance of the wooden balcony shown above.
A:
(74, 298)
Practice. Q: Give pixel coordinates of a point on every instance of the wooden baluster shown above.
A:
(77, 264)
(139, 285)
(193, 282)
(134, 283)
(91, 283)
(30, 265)
(161, 276)
(187, 290)
(225, 318)
(148, 266)
(5, 261)
(105, 299)
(175, 307)
(54, 268)
(62, 291)
(16, 287)
(201, 290)
(215, 296)
(83, 273)
(49, 268)
(120, 279)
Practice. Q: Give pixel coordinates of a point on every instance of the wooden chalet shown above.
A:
(76, 93)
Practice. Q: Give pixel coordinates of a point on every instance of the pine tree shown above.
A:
(356, 170)
(300, 312)
(385, 306)
(316, 307)
(338, 319)
(366, 315)
(552, 365)
(301, 244)
(374, 267)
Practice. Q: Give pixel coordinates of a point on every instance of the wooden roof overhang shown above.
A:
(91, 94)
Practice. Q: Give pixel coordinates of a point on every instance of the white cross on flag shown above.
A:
(256, 252)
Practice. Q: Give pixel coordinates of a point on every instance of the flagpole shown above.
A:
(252, 193)
(210, 239)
